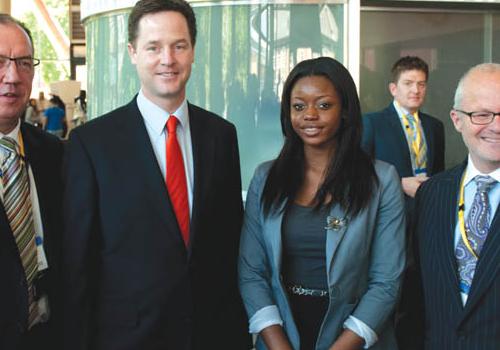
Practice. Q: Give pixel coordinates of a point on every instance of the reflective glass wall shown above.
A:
(449, 41)
(244, 53)
(243, 56)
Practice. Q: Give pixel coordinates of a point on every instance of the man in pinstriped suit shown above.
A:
(458, 226)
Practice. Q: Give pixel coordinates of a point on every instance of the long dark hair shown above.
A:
(350, 175)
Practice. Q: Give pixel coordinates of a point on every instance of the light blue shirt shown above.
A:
(155, 119)
(469, 193)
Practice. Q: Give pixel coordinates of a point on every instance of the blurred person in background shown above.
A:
(53, 120)
(31, 114)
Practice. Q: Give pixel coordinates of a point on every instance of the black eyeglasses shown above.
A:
(480, 118)
(24, 64)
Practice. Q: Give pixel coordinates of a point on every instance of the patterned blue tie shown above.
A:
(477, 226)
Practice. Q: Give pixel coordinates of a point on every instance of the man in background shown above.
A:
(458, 226)
(401, 134)
(413, 142)
(30, 207)
(153, 208)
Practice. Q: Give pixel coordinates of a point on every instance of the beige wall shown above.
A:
(5, 6)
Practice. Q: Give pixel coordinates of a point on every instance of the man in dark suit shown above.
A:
(413, 142)
(143, 269)
(458, 226)
(30, 206)
(403, 136)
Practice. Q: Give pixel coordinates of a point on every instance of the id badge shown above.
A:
(40, 253)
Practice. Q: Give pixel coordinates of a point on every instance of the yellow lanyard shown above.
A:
(415, 138)
(461, 220)
(21, 144)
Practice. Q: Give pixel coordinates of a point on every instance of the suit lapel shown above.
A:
(35, 156)
(272, 232)
(6, 235)
(132, 137)
(426, 127)
(446, 233)
(334, 233)
(204, 154)
(396, 129)
(487, 266)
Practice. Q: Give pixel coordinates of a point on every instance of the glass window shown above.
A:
(450, 42)
(243, 56)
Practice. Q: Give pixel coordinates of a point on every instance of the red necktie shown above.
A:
(176, 179)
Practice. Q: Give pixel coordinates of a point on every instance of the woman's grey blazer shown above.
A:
(365, 258)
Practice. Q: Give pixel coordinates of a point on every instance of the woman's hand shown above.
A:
(275, 338)
(348, 340)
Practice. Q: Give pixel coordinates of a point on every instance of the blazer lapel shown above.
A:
(399, 133)
(35, 156)
(487, 266)
(445, 233)
(426, 127)
(6, 235)
(204, 154)
(272, 232)
(336, 227)
(133, 138)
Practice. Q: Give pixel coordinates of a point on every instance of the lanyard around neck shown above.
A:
(21, 143)
(414, 135)
(461, 220)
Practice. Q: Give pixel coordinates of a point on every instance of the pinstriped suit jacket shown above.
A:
(449, 324)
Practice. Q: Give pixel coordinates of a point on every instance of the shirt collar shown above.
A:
(14, 133)
(472, 172)
(156, 117)
(401, 111)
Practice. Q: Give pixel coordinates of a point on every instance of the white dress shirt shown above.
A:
(155, 119)
(469, 193)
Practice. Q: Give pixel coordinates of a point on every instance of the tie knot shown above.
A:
(172, 124)
(484, 182)
(411, 118)
(9, 144)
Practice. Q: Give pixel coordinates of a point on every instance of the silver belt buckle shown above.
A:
(299, 290)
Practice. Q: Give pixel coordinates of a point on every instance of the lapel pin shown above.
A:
(333, 223)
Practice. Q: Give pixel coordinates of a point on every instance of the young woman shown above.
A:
(322, 247)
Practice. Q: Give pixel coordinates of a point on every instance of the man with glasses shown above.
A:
(30, 206)
(458, 226)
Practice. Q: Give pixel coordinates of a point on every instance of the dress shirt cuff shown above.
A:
(361, 329)
(265, 317)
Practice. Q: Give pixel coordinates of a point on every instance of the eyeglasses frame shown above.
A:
(36, 61)
(469, 114)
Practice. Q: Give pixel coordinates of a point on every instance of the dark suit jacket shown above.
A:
(129, 281)
(448, 324)
(385, 139)
(43, 152)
